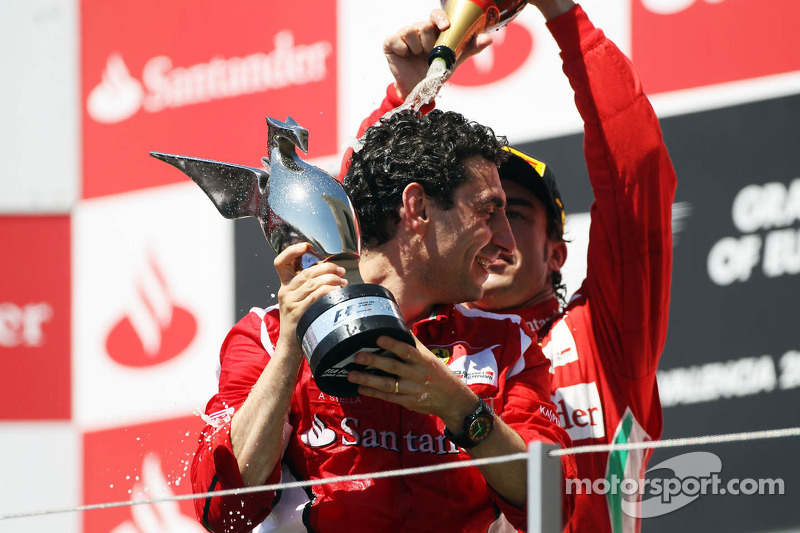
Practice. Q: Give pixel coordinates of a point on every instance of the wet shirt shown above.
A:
(605, 346)
(328, 436)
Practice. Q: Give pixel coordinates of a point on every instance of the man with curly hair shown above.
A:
(474, 385)
(606, 341)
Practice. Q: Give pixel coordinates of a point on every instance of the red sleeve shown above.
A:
(630, 245)
(390, 101)
(528, 410)
(214, 468)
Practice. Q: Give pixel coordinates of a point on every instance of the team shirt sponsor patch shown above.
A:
(478, 368)
(580, 411)
(560, 349)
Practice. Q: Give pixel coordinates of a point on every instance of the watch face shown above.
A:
(480, 428)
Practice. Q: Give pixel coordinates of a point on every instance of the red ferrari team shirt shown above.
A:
(328, 436)
(605, 345)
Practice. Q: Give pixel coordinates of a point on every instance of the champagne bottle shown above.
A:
(467, 19)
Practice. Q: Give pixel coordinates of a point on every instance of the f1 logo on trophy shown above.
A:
(298, 202)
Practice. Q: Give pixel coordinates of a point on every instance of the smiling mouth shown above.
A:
(505, 258)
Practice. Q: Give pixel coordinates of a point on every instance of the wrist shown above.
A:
(475, 427)
(460, 408)
(399, 93)
(288, 347)
(551, 10)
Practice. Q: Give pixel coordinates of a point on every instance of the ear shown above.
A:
(558, 255)
(415, 208)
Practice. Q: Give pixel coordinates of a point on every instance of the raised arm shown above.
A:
(630, 245)
(242, 445)
(257, 427)
(407, 50)
(406, 54)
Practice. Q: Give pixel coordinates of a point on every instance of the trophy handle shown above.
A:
(235, 190)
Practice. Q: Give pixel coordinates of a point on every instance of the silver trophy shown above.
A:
(298, 202)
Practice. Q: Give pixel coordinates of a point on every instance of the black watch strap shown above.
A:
(478, 426)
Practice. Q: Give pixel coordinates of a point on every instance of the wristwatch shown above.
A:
(478, 426)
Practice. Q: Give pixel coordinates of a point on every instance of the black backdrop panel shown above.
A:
(257, 282)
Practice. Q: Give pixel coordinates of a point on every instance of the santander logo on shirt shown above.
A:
(355, 433)
(580, 411)
(318, 435)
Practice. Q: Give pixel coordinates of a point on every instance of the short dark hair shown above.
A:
(406, 148)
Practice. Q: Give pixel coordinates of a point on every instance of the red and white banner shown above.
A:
(112, 315)
(141, 462)
(199, 79)
(35, 318)
(154, 280)
(681, 44)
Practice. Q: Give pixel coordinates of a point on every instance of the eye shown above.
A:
(512, 214)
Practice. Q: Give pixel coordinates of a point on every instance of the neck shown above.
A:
(377, 266)
(496, 303)
(538, 299)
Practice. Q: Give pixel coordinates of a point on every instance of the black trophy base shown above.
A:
(343, 323)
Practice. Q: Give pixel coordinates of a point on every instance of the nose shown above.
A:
(501, 233)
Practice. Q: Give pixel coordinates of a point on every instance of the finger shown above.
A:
(286, 261)
(397, 44)
(403, 350)
(412, 39)
(482, 42)
(374, 381)
(476, 45)
(386, 363)
(319, 268)
(428, 35)
(295, 305)
(318, 293)
(439, 18)
(374, 385)
(303, 285)
(379, 394)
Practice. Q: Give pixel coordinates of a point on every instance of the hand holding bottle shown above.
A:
(469, 18)
(407, 50)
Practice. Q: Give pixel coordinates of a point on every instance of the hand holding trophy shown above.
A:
(298, 202)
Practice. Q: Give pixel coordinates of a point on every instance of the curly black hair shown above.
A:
(406, 148)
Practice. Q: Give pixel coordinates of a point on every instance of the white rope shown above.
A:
(686, 441)
(670, 443)
(282, 486)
